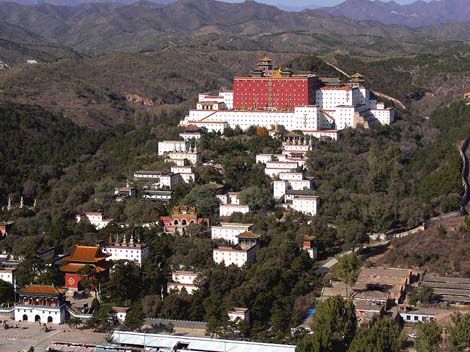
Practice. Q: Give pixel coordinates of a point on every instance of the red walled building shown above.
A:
(273, 92)
(276, 89)
(90, 258)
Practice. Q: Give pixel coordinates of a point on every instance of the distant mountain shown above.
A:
(18, 44)
(417, 14)
(79, 2)
(102, 27)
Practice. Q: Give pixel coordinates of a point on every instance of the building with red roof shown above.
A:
(40, 303)
(84, 262)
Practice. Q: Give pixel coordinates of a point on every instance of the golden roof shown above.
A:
(41, 290)
(278, 73)
(86, 254)
(266, 59)
(357, 75)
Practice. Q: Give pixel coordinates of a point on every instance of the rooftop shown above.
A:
(41, 290)
(249, 234)
(86, 254)
(300, 192)
(200, 344)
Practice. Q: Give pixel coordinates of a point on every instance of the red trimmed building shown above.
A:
(40, 303)
(279, 89)
(180, 218)
(85, 262)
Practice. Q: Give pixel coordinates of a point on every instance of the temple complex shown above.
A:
(84, 262)
(181, 217)
(40, 303)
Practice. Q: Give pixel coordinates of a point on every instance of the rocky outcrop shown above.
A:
(139, 99)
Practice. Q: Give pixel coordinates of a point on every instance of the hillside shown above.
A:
(443, 248)
(18, 44)
(422, 81)
(107, 90)
(416, 14)
(38, 145)
(103, 27)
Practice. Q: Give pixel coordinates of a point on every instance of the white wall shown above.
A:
(171, 146)
(228, 232)
(305, 205)
(57, 315)
(229, 209)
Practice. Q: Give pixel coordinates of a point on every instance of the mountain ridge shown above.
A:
(417, 14)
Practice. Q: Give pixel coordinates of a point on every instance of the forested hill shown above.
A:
(36, 146)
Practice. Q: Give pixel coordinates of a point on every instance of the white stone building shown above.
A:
(96, 219)
(281, 187)
(224, 97)
(191, 134)
(183, 279)
(164, 196)
(160, 179)
(229, 231)
(121, 313)
(266, 158)
(124, 250)
(239, 313)
(274, 168)
(338, 106)
(165, 147)
(229, 198)
(186, 173)
(237, 255)
(183, 158)
(306, 204)
(229, 209)
(7, 275)
(301, 118)
(40, 303)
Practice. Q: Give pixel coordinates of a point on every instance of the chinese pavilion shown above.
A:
(180, 218)
(40, 303)
(84, 262)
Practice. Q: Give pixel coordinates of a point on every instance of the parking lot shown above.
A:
(22, 336)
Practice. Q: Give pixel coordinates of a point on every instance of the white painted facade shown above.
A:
(135, 252)
(229, 209)
(307, 205)
(47, 315)
(190, 135)
(161, 180)
(415, 317)
(291, 176)
(183, 279)
(301, 118)
(181, 169)
(280, 187)
(7, 275)
(229, 231)
(239, 314)
(224, 97)
(266, 158)
(236, 255)
(335, 110)
(192, 157)
(172, 146)
(121, 313)
(96, 219)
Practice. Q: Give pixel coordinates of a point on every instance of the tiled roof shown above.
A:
(249, 234)
(86, 254)
(42, 290)
(74, 267)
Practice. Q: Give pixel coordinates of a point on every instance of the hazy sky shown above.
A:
(311, 3)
